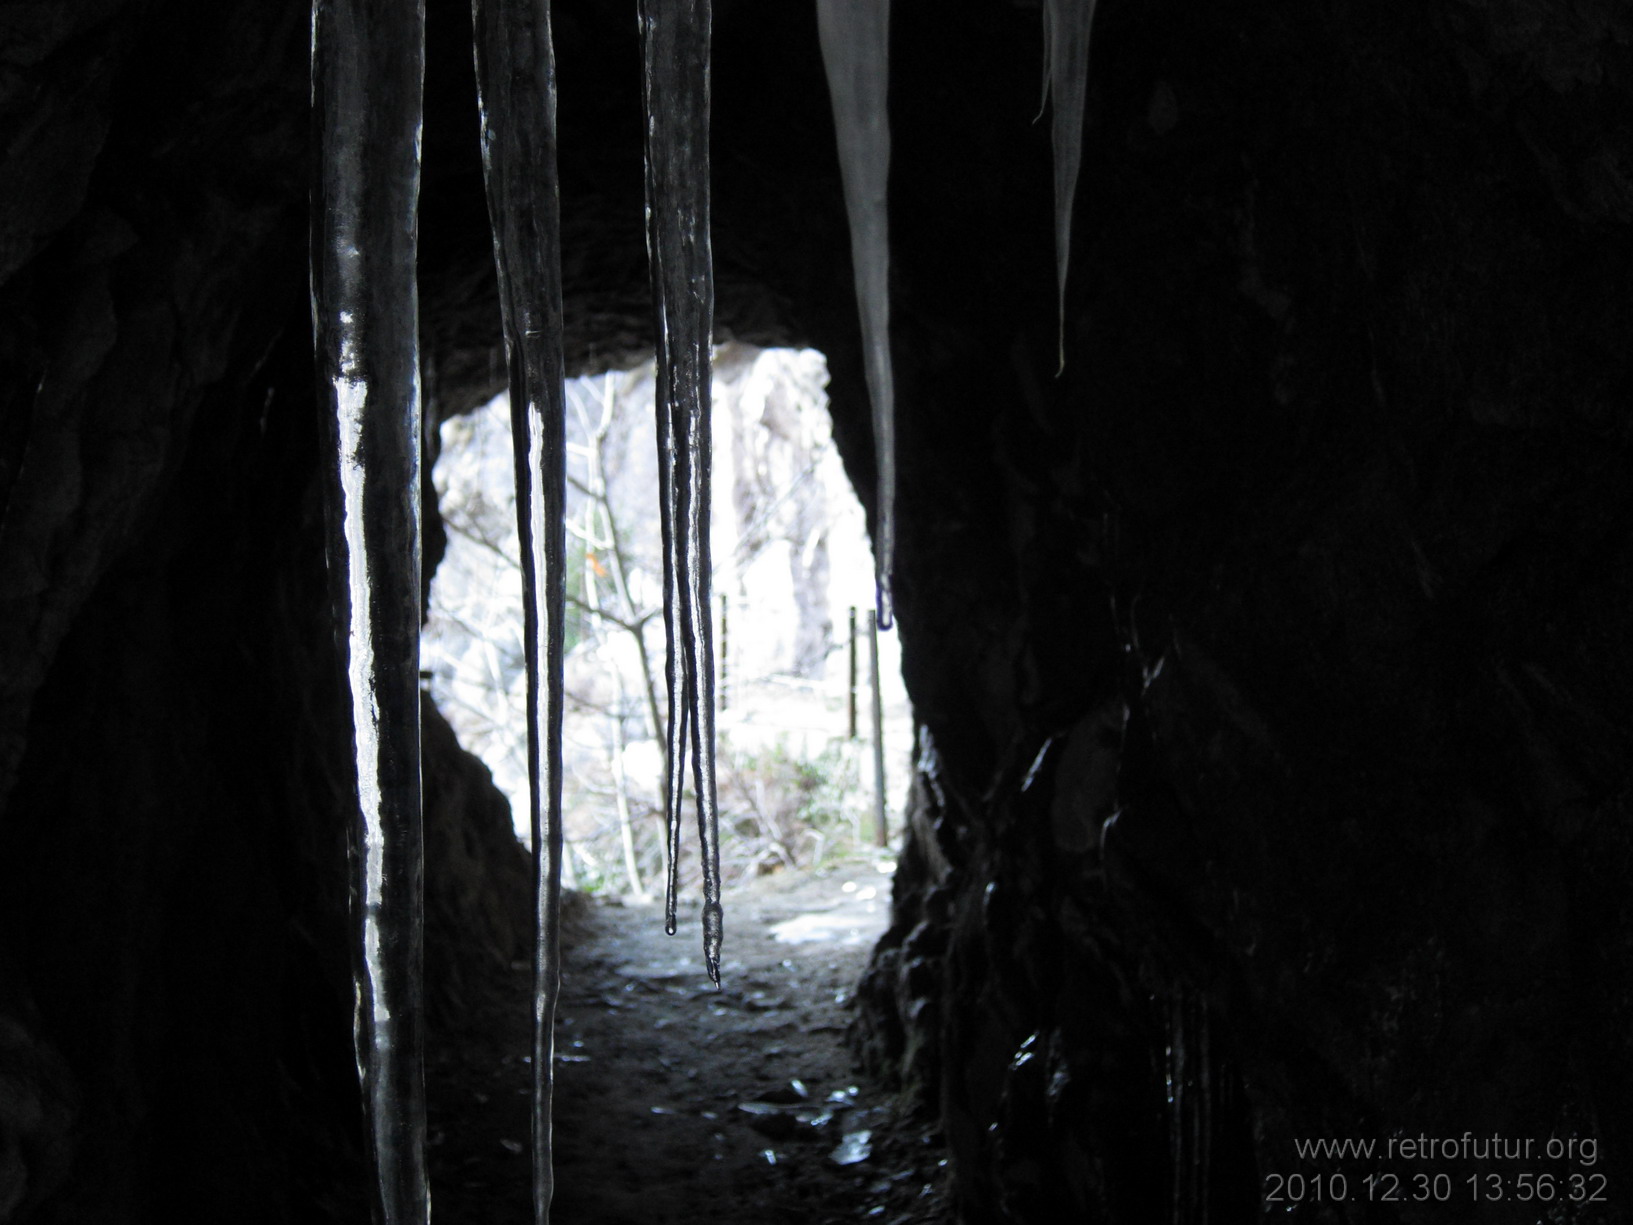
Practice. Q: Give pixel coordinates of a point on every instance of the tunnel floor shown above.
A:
(678, 1103)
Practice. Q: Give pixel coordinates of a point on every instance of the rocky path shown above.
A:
(677, 1103)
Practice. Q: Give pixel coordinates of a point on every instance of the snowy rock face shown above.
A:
(790, 545)
(1272, 660)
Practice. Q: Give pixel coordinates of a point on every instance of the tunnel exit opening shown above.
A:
(742, 1101)
(800, 743)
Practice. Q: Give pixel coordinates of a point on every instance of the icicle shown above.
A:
(855, 38)
(675, 85)
(1178, 1105)
(1189, 1077)
(1206, 1077)
(516, 93)
(1066, 25)
(367, 71)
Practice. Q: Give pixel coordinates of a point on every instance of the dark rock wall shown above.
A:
(162, 851)
(1271, 660)
(1274, 775)
(175, 998)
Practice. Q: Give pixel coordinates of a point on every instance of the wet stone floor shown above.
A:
(679, 1103)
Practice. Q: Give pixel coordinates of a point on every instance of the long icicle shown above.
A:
(855, 37)
(367, 84)
(675, 38)
(516, 92)
(670, 483)
(700, 663)
(1066, 26)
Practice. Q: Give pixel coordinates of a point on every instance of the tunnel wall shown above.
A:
(175, 983)
(1272, 780)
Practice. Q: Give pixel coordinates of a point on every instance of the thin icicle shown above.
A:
(367, 72)
(700, 666)
(855, 38)
(1190, 1077)
(1043, 97)
(516, 92)
(1066, 26)
(675, 86)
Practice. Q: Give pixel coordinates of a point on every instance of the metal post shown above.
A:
(725, 656)
(880, 834)
(852, 690)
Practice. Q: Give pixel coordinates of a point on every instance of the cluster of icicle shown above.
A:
(367, 97)
(855, 36)
(675, 89)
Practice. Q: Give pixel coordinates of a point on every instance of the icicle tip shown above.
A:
(713, 932)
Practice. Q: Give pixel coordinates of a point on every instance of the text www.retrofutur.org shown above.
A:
(1486, 1168)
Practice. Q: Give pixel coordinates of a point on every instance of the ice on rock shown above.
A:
(1066, 26)
(675, 37)
(516, 92)
(367, 72)
(855, 36)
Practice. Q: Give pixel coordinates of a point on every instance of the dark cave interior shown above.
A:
(1271, 661)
